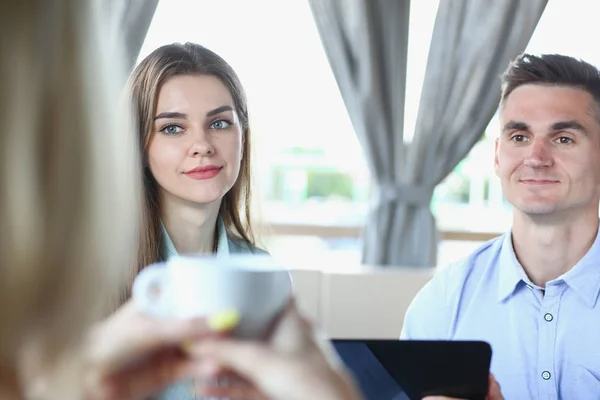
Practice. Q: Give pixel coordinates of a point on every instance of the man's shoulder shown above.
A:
(479, 259)
(432, 311)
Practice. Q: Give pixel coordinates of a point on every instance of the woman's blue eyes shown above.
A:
(173, 129)
(220, 124)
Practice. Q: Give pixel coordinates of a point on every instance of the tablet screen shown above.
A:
(370, 374)
(408, 370)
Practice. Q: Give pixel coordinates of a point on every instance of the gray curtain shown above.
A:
(366, 42)
(130, 20)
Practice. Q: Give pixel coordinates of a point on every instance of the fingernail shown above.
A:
(224, 320)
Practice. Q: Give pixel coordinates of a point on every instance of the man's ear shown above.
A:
(496, 156)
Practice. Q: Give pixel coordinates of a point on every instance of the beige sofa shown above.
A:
(358, 302)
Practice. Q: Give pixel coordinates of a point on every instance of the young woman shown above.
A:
(194, 135)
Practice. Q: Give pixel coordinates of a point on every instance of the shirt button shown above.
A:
(548, 317)
(546, 375)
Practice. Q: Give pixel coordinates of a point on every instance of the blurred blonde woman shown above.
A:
(68, 230)
(66, 220)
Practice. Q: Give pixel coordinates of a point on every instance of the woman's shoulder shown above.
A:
(238, 245)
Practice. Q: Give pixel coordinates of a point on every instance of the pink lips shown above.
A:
(204, 172)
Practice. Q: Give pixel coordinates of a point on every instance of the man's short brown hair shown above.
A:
(551, 70)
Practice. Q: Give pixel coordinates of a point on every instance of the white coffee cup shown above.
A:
(186, 286)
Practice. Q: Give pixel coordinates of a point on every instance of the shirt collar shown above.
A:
(583, 278)
(510, 271)
(169, 250)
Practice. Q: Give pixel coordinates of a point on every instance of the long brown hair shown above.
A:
(144, 85)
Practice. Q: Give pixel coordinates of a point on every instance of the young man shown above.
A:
(533, 292)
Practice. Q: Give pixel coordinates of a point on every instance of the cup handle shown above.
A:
(151, 290)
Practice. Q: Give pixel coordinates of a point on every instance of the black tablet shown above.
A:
(413, 369)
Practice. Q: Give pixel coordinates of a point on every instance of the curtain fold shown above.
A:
(129, 22)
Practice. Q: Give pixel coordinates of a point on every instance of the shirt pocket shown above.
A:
(584, 384)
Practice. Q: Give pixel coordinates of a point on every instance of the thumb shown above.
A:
(494, 392)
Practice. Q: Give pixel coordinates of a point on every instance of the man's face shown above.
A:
(548, 154)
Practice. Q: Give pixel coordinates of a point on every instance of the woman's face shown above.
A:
(196, 146)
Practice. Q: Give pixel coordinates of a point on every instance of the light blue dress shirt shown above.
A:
(168, 248)
(546, 345)
(225, 246)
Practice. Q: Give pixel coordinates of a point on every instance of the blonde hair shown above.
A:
(68, 186)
